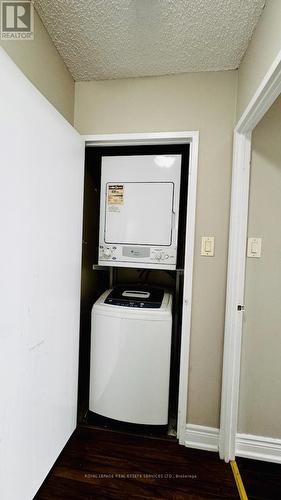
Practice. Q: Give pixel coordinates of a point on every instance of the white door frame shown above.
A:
(164, 138)
(268, 91)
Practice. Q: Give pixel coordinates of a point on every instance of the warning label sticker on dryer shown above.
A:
(115, 194)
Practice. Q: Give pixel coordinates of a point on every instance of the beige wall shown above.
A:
(263, 48)
(260, 393)
(204, 102)
(42, 64)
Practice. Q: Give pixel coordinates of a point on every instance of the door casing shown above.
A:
(266, 94)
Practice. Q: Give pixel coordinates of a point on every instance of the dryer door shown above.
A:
(139, 213)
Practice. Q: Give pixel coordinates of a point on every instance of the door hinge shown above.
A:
(240, 307)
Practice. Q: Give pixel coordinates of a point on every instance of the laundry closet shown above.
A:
(134, 223)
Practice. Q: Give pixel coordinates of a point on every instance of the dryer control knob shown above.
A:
(107, 252)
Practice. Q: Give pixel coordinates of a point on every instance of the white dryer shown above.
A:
(130, 355)
(139, 211)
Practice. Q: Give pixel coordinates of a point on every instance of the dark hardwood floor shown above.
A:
(262, 480)
(104, 464)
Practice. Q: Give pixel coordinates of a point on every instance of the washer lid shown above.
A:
(131, 296)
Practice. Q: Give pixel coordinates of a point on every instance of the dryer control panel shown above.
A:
(132, 254)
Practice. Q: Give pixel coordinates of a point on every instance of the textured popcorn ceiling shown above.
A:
(102, 39)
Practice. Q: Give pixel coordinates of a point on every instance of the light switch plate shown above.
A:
(254, 247)
(208, 246)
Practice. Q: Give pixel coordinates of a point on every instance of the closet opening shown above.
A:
(99, 277)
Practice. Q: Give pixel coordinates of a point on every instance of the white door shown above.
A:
(41, 188)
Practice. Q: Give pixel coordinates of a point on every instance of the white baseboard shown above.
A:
(247, 445)
(201, 437)
(258, 448)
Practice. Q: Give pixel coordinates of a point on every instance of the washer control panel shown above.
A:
(142, 298)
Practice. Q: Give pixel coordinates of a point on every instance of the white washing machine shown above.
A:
(130, 355)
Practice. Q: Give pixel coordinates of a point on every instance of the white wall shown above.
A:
(260, 386)
(42, 64)
(197, 101)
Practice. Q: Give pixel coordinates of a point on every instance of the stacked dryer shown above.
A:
(139, 211)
